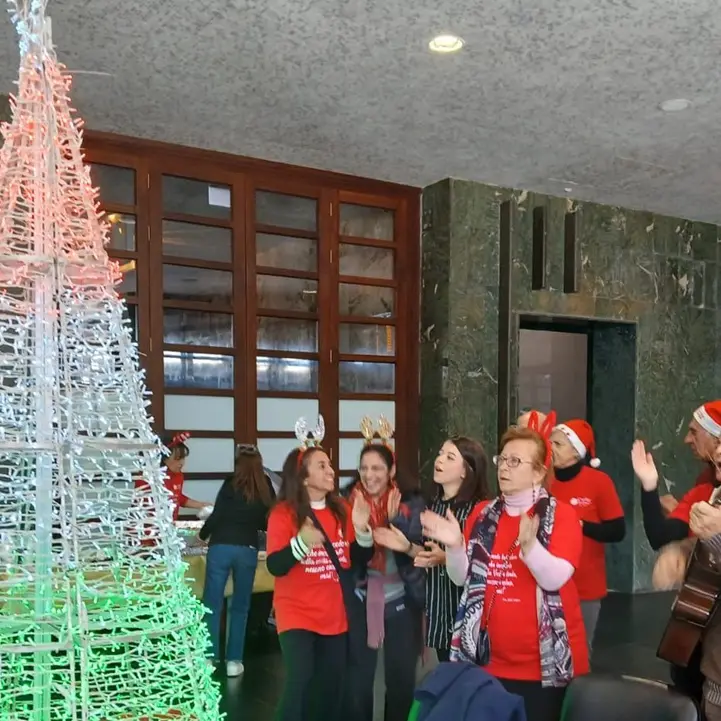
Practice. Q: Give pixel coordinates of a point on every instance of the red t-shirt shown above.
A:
(309, 596)
(697, 494)
(513, 621)
(593, 496)
(174, 483)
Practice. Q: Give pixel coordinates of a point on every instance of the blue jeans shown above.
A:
(242, 562)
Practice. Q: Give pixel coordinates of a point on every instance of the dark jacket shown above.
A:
(408, 521)
(465, 692)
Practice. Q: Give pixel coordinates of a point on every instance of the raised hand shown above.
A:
(392, 539)
(433, 555)
(527, 532)
(394, 503)
(361, 515)
(310, 535)
(445, 530)
(644, 467)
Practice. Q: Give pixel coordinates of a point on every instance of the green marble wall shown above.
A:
(657, 273)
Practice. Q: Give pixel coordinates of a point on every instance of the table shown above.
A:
(195, 575)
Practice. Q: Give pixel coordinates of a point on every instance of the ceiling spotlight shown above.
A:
(675, 105)
(446, 44)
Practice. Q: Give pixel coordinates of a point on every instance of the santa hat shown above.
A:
(708, 416)
(580, 436)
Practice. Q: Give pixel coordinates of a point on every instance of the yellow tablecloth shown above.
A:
(195, 574)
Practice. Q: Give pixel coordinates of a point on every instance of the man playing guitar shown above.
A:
(669, 572)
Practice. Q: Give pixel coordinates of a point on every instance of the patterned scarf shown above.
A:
(379, 519)
(554, 645)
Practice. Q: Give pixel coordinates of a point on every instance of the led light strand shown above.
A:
(97, 622)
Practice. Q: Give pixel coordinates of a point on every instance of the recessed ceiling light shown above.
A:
(446, 44)
(675, 105)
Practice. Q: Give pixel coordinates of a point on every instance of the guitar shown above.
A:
(695, 604)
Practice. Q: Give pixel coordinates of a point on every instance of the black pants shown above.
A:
(542, 704)
(315, 668)
(443, 654)
(402, 648)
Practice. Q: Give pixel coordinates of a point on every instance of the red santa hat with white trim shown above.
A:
(708, 416)
(581, 437)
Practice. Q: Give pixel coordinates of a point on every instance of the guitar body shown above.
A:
(693, 608)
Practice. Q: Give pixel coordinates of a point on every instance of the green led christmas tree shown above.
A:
(96, 620)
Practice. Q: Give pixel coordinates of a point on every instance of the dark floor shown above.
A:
(626, 638)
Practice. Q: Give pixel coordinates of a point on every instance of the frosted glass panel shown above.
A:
(352, 412)
(210, 455)
(199, 413)
(280, 414)
(350, 449)
(201, 491)
(275, 450)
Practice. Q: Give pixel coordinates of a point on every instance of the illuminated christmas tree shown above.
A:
(97, 622)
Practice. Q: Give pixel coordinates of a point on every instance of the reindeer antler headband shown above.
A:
(383, 430)
(178, 440)
(309, 439)
(544, 430)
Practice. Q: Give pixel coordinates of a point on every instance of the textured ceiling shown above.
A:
(547, 94)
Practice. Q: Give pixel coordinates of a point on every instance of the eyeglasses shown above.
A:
(510, 461)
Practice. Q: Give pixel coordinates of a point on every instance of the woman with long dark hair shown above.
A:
(240, 512)
(313, 539)
(460, 480)
(393, 588)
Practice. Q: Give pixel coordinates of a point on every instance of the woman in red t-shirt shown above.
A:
(310, 612)
(519, 615)
(579, 482)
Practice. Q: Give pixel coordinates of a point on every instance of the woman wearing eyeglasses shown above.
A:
(240, 512)
(519, 614)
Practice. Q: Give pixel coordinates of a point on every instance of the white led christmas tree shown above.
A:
(97, 622)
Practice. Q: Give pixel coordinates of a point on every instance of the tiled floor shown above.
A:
(628, 633)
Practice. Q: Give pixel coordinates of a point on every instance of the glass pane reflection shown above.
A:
(362, 377)
(196, 327)
(197, 370)
(287, 334)
(115, 184)
(364, 221)
(287, 374)
(121, 233)
(367, 339)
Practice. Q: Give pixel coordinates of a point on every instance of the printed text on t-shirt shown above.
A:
(318, 562)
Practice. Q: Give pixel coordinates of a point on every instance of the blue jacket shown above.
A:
(465, 692)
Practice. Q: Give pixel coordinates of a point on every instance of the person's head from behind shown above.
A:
(376, 469)
(521, 462)
(525, 417)
(177, 452)
(461, 470)
(248, 475)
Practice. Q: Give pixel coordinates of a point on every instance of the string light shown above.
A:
(97, 622)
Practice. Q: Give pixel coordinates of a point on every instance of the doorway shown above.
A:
(587, 369)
